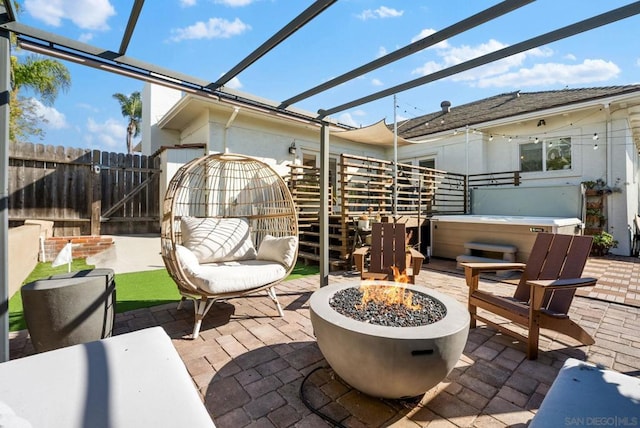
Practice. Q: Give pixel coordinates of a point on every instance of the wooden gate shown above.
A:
(84, 192)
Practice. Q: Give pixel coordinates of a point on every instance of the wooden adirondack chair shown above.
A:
(545, 291)
(388, 248)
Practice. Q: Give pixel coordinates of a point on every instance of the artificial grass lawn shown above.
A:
(133, 290)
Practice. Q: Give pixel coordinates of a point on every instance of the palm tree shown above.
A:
(45, 77)
(131, 107)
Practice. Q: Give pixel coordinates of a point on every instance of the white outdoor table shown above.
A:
(131, 380)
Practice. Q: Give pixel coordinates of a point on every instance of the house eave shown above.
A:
(622, 100)
(189, 105)
(604, 103)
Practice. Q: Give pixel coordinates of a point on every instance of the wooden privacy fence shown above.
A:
(83, 191)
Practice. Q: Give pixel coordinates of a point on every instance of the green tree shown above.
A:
(131, 107)
(46, 78)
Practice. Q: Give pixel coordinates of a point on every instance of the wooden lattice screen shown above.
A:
(365, 187)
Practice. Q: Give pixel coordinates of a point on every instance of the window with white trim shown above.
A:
(552, 154)
(428, 163)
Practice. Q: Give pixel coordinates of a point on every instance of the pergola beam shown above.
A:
(294, 25)
(78, 52)
(457, 28)
(131, 25)
(552, 36)
(7, 6)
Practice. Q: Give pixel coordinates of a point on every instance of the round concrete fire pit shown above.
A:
(389, 362)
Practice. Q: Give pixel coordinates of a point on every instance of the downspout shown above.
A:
(234, 113)
(467, 150)
(609, 151)
(467, 198)
(609, 155)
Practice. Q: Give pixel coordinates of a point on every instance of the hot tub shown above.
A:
(450, 232)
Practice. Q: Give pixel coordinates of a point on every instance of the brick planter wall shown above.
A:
(84, 246)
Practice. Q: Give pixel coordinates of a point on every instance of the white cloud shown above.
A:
(86, 14)
(550, 74)
(543, 51)
(85, 37)
(110, 135)
(457, 55)
(426, 33)
(54, 119)
(382, 51)
(187, 3)
(511, 71)
(388, 12)
(366, 14)
(376, 82)
(234, 83)
(381, 12)
(347, 119)
(454, 55)
(428, 68)
(215, 28)
(570, 57)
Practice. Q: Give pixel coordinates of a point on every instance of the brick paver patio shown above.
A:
(249, 365)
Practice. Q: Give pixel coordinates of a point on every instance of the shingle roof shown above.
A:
(504, 106)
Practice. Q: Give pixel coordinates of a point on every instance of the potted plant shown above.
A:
(364, 221)
(595, 217)
(602, 243)
(600, 187)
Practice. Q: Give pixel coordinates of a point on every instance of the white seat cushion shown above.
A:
(227, 277)
(217, 239)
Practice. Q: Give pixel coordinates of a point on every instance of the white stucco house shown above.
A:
(563, 137)
(554, 138)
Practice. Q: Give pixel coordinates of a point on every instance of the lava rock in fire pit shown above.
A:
(425, 309)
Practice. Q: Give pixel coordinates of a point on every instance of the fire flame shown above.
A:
(389, 296)
(400, 277)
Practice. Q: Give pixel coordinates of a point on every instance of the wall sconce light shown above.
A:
(541, 122)
(292, 148)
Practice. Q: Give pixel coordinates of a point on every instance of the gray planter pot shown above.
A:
(70, 309)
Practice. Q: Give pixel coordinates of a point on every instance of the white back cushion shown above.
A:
(281, 250)
(217, 239)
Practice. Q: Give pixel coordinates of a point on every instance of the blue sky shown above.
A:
(206, 38)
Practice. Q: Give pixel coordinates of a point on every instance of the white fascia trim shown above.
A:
(605, 102)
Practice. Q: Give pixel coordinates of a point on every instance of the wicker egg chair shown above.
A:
(218, 189)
